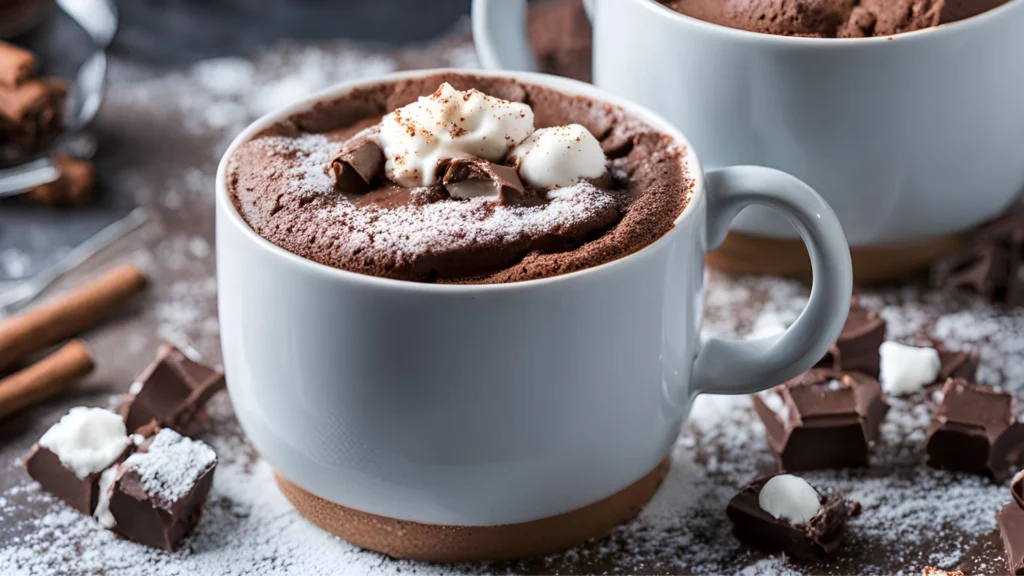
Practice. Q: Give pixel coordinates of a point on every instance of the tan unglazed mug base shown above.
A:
(437, 543)
(748, 254)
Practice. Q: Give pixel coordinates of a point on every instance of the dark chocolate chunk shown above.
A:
(991, 265)
(822, 419)
(358, 167)
(957, 365)
(157, 497)
(16, 65)
(818, 538)
(857, 346)
(172, 391)
(493, 178)
(45, 467)
(1011, 526)
(975, 430)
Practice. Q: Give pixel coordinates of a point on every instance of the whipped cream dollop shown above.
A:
(907, 369)
(789, 497)
(449, 124)
(87, 440)
(559, 156)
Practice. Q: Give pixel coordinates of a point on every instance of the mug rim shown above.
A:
(690, 162)
(978, 20)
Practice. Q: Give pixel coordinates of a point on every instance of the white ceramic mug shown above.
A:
(908, 137)
(481, 405)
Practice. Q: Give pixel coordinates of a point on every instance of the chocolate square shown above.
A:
(1011, 527)
(975, 430)
(856, 349)
(173, 391)
(957, 365)
(812, 541)
(160, 510)
(45, 467)
(822, 419)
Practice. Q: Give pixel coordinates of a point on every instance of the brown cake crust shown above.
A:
(277, 183)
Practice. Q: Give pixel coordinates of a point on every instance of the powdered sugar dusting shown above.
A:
(171, 466)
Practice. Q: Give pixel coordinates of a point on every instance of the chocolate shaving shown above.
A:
(503, 179)
(975, 430)
(16, 65)
(358, 167)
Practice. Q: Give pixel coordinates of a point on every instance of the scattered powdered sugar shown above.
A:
(172, 464)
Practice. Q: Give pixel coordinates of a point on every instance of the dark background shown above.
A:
(167, 33)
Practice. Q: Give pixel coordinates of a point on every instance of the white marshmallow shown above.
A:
(449, 124)
(87, 440)
(559, 156)
(789, 497)
(767, 325)
(907, 369)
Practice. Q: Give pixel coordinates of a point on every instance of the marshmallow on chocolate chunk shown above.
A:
(785, 514)
(559, 156)
(449, 123)
(358, 166)
(468, 178)
(822, 419)
(975, 430)
(70, 457)
(172, 391)
(158, 493)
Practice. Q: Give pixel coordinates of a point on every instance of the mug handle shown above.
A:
(499, 33)
(747, 366)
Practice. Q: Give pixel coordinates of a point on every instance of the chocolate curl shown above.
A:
(16, 65)
(472, 177)
(74, 187)
(357, 168)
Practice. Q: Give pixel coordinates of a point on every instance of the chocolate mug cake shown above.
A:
(460, 179)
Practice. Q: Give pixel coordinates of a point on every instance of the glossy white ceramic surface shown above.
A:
(907, 137)
(484, 405)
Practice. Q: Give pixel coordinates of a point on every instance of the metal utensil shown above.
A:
(24, 292)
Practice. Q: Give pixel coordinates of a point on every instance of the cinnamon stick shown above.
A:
(47, 377)
(16, 64)
(68, 314)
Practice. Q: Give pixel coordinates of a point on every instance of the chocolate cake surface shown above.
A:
(281, 186)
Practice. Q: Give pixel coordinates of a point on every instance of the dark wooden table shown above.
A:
(170, 113)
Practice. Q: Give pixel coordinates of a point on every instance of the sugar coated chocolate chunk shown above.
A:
(813, 539)
(157, 496)
(172, 391)
(70, 457)
(975, 430)
(1011, 526)
(822, 419)
(856, 349)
